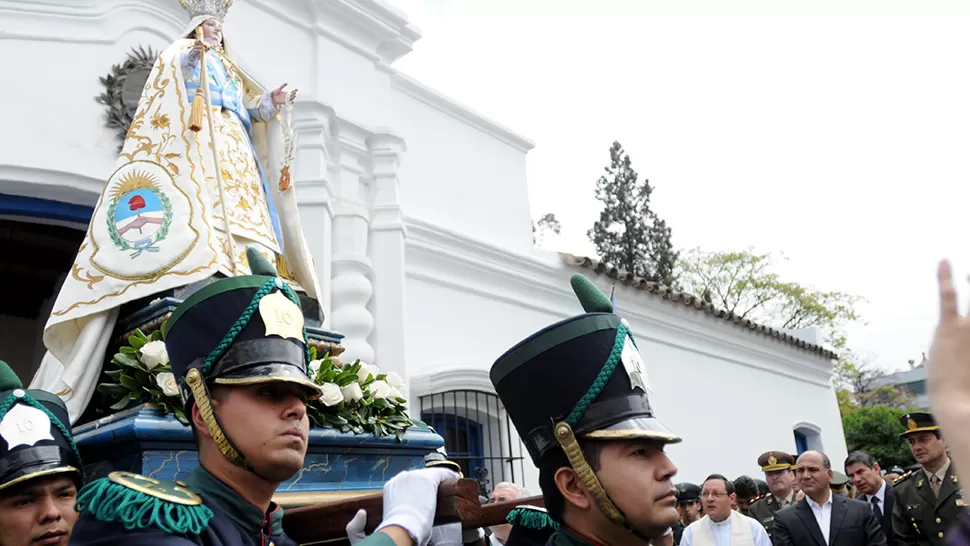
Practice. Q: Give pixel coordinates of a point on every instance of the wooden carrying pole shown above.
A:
(457, 502)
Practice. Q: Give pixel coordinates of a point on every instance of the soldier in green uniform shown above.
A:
(777, 466)
(930, 499)
(40, 467)
(239, 351)
(577, 394)
(688, 506)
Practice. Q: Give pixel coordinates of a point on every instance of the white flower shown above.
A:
(166, 381)
(154, 354)
(315, 367)
(365, 371)
(379, 388)
(395, 394)
(332, 394)
(394, 380)
(352, 392)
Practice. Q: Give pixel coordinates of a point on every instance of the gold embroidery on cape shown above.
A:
(140, 117)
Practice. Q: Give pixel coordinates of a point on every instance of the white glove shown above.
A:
(410, 499)
(453, 535)
(355, 529)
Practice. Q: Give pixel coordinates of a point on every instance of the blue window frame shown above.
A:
(801, 442)
(34, 207)
(463, 440)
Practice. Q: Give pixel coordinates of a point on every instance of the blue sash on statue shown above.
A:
(223, 93)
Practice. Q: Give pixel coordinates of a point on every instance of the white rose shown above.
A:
(166, 381)
(352, 392)
(154, 354)
(365, 371)
(379, 388)
(394, 380)
(395, 394)
(314, 367)
(331, 394)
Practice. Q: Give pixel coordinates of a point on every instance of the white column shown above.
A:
(387, 242)
(352, 288)
(315, 169)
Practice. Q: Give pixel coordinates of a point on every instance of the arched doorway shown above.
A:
(38, 242)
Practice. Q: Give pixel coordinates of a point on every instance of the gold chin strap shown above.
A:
(201, 395)
(567, 439)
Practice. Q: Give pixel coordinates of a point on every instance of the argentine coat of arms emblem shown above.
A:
(140, 214)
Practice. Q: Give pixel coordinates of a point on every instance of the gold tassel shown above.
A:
(198, 102)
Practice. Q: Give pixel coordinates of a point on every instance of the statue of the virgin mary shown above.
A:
(196, 184)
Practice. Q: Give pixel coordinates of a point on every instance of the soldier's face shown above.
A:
(637, 475)
(926, 447)
(41, 511)
(865, 479)
(690, 511)
(779, 482)
(269, 424)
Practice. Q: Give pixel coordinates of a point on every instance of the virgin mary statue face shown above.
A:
(212, 32)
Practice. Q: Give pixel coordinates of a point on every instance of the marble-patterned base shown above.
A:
(144, 441)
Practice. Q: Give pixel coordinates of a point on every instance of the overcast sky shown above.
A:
(834, 131)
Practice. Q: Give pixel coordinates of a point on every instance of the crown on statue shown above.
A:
(214, 8)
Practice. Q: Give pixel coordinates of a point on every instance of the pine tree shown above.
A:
(628, 234)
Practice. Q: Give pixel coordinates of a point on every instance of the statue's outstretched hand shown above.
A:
(279, 95)
(948, 370)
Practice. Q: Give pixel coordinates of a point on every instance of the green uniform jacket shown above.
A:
(919, 517)
(764, 511)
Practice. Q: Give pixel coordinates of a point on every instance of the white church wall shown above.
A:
(730, 393)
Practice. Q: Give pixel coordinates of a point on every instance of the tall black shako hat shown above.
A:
(591, 385)
(36, 440)
(237, 331)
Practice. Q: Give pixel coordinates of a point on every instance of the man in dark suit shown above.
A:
(822, 518)
(865, 474)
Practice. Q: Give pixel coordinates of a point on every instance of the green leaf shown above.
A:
(129, 382)
(112, 389)
(137, 342)
(130, 351)
(157, 335)
(129, 362)
(180, 415)
(113, 374)
(121, 404)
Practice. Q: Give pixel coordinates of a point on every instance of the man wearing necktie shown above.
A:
(930, 499)
(865, 474)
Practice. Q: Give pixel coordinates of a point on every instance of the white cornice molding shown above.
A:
(444, 257)
(415, 89)
(38, 182)
(87, 21)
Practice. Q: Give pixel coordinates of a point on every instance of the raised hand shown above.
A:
(279, 95)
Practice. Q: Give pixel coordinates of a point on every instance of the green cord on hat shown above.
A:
(602, 379)
(244, 319)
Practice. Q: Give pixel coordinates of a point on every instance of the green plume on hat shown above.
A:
(592, 298)
(258, 264)
(8, 379)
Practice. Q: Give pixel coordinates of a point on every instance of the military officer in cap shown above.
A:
(688, 507)
(40, 467)
(928, 500)
(239, 351)
(576, 392)
(777, 466)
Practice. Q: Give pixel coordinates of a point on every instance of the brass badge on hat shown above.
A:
(772, 460)
(911, 424)
(633, 364)
(281, 316)
(25, 426)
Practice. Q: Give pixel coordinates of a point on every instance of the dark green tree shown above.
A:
(628, 234)
(875, 429)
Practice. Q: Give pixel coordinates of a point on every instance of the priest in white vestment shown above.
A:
(722, 526)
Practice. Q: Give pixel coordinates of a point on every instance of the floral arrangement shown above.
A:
(356, 397)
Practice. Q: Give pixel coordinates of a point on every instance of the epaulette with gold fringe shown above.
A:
(138, 502)
(903, 477)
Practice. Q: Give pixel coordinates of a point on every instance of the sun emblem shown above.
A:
(140, 214)
(911, 424)
(772, 460)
